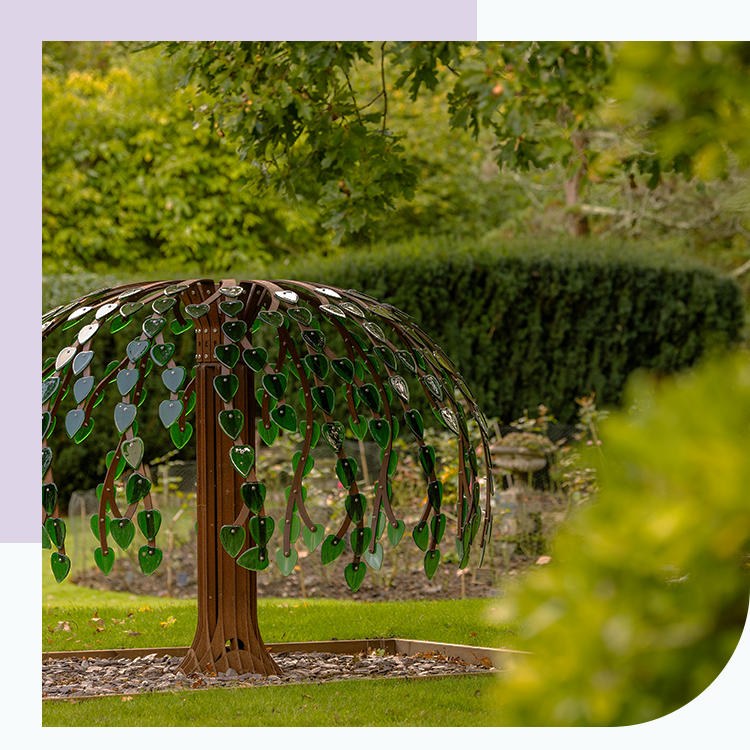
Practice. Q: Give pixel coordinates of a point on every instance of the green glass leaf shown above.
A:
(152, 326)
(127, 380)
(232, 291)
(136, 349)
(427, 459)
(231, 307)
(309, 463)
(354, 574)
(56, 530)
(360, 540)
(179, 328)
(333, 433)
(82, 434)
(261, 529)
(130, 308)
(285, 417)
(231, 421)
(49, 497)
(48, 423)
(74, 421)
(149, 522)
(317, 364)
(415, 423)
(316, 431)
(121, 464)
(256, 358)
(234, 330)
(253, 495)
(421, 535)
(173, 289)
(125, 415)
(295, 527)
(60, 566)
(169, 412)
(227, 354)
(226, 386)
(162, 353)
(395, 532)
(435, 494)
(118, 323)
(46, 543)
(369, 395)
(431, 562)
(346, 470)
(380, 431)
(274, 384)
(255, 558)
(174, 378)
(324, 397)
(123, 532)
(49, 388)
(437, 526)
(132, 452)
(314, 339)
(149, 558)
(374, 559)
(300, 315)
(344, 368)
(104, 561)
(94, 523)
(232, 538)
(358, 428)
(197, 311)
(180, 439)
(487, 540)
(387, 356)
(332, 549)
(313, 538)
(242, 458)
(355, 507)
(161, 305)
(267, 435)
(286, 564)
(137, 488)
(406, 360)
(380, 528)
(46, 460)
(273, 318)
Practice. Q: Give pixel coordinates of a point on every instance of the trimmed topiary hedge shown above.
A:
(528, 324)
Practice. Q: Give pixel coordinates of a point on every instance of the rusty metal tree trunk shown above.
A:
(227, 634)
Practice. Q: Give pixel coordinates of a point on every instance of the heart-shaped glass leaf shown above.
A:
(313, 538)
(374, 330)
(48, 423)
(56, 530)
(253, 495)
(132, 452)
(197, 311)
(149, 558)
(60, 566)
(324, 397)
(256, 358)
(415, 423)
(242, 458)
(318, 365)
(137, 488)
(226, 386)
(136, 349)
(130, 308)
(49, 497)
(431, 562)
(272, 317)
(94, 521)
(180, 439)
(300, 315)
(234, 330)
(286, 564)
(74, 421)
(149, 522)
(295, 526)
(118, 323)
(261, 529)
(314, 427)
(46, 460)
(380, 431)
(437, 526)
(127, 380)
(228, 354)
(333, 433)
(432, 386)
(104, 560)
(381, 520)
(232, 538)
(123, 532)
(386, 355)
(174, 378)
(435, 494)
(87, 332)
(125, 415)
(65, 356)
(161, 305)
(46, 543)
(162, 353)
(370, 397)
(360, 540)
(152, 326)
(355, 507)
(85, 431)
(374, 559)
(344, 368)
(231, 421)
(400, 386)
(231, 307)
(275, 384)
(285, 417)
(178, 328)
(427, 459)
(421, 534)
(169, 412)
(358, 428)
(120, 466)
(406, 360)
(82, 361)
(232, 291)
(255, 558)
(395, 532)
(354, 574)
(174, 289)
(346, 470)
(268, 435)
(309, 463)
(332, 549)
(314, 339)
(49, 388)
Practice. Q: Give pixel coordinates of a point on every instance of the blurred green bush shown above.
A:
(647, 594)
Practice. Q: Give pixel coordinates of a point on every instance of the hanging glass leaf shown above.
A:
(125, 415)
(162, 353)
(174, 378)
(149, 559)
(255, 359)
(169, 412)
(255, 558)
(300, 315)
(354, 574)
(231, 422)
(253, 495)
(81, 362)
(152, 326)
(231, 291)
(286, 563)
(228, 354)
(49, 388)
(226, 386)
(234, 330)
(231, 307)
(291, 297)
(163, 304)
(242, 458)
(123, 532)
(232, 538)
(197, 311)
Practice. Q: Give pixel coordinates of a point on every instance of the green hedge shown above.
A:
(528, 324)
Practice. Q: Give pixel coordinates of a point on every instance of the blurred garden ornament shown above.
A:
(254, 339)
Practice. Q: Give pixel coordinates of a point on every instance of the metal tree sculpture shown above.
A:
(233, 529)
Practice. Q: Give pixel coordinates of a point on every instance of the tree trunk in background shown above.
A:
(578, 223)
